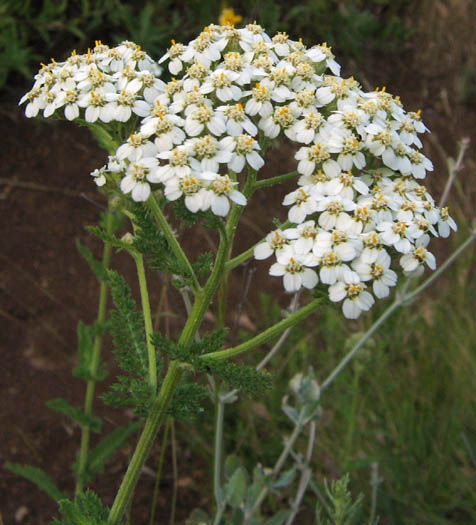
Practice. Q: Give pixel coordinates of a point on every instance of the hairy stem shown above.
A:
(172, 378)
(144, 295)
(218, 454)
(264, 183)
(91, 386)
(158, 475)
(268, 334)
(172, 240)
(247, 254)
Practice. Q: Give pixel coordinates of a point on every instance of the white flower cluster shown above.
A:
(359, 208)
(105, 84)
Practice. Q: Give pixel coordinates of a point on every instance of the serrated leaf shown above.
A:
(76, 414)
(99, 456)
(86, 509)
(39, 478)
(95, 265)
(235, 489)
(247, 378)
(86, 335)
(108, 237)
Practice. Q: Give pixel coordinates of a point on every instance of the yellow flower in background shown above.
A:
(228, 17)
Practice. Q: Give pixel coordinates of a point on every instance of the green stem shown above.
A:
(158, 409)
(88, 402)
(149, 433)
(399, 301)
(268, 334)
(175, 473)
(239, 259)
(172, 240)
(144, 295)
(159, 473)
(217, 458)
(264, 183)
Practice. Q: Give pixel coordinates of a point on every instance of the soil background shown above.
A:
(47, 199)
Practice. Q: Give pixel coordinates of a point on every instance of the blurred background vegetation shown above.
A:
(408, 402)
(54, 27)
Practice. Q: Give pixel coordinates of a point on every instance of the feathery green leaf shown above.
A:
(86, 509)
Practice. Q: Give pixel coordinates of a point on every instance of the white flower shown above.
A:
(398, 234)
(221, 82)
(136, 177)
(356, 298)
(334, 210)
(304, 205)
(245, 150)
(282, 118)
(208, 153)
(237, 122)
(418, 256)
(203, 117)
(99, 176)
(220, 190)
(137, 146)
(275, 241)
(323, 53)
(294, 269)
(302, 237)
(375, 266)
(318, 154)
(191, 187)
(445, 223)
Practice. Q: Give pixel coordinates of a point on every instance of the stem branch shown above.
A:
(172, 240)
(91, 386)
(144, 295)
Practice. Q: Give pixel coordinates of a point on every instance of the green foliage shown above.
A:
(237, 376)
(352, 27)
(99, 456)
(343, 510)
(86, 509)
(208, 343)
(108, 237)
(203, 265)
(130, 350)
(86, 335)
(152, 243)
(243, 377)
(38, 477)
(76, 414)
(210, 220)
(96, 266)
(187, 401)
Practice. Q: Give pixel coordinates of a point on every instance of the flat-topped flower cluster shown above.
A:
(106, 84)
(359, 212)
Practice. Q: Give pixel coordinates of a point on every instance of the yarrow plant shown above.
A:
(358, 221)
